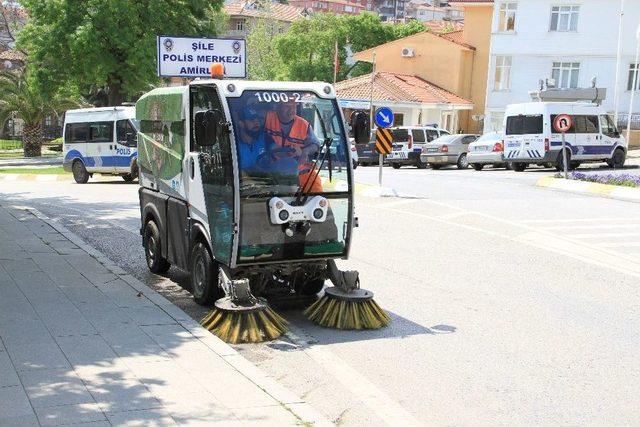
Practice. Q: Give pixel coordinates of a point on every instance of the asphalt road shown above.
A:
(511, 304)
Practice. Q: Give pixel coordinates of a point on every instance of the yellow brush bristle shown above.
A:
(341, 314)
(245, 327)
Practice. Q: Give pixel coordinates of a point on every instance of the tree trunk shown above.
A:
(32, 140)
(116, 97)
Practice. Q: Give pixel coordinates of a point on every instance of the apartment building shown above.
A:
(569, 41)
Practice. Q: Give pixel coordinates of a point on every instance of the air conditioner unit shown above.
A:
(407, 52)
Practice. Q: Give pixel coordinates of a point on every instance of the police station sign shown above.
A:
(192, 57)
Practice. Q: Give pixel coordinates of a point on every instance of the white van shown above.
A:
(529, 136)
(101, 140)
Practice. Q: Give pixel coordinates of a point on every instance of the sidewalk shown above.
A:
(81, 341)
(31, 162)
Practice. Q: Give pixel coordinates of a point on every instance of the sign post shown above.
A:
(384, 119)
(562, 123)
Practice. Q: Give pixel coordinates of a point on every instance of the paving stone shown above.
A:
(41, 354)
(168, 381)
(153, 315)
(13, 266)
(86, 350)
(25, 330)
(70, 414)
(198, 410)
(133, 345)
(54, 387)
(233, 389)
(151, 418)
(66, 321)
(8, 376)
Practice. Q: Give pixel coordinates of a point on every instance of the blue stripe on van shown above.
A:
(588, 149)
(105, 161)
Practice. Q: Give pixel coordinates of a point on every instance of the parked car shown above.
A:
(408, 142)
(354, 152)
(366, 153)
(448, 150)
(487, 150)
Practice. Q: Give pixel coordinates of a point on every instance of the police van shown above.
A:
(101, 140)
(529, 136)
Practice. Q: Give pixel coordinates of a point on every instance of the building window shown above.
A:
(240, 25)
(507, 21)
(633, 69)
(503, 73)
(564, 18)
(566, 74)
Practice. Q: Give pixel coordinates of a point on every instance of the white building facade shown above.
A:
(570, 41)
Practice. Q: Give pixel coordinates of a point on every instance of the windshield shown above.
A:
(489, 137)
(445, 139)
(281, 143)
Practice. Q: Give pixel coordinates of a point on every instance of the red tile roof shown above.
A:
(457, 38)
(440, 26)
(470, 1)
(395, 87)
(278, 11)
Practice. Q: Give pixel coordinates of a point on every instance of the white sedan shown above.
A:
(487, 150)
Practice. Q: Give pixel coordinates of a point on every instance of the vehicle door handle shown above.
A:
(192, 168)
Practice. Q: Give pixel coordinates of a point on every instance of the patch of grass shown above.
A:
(8, 144)
(54, 170)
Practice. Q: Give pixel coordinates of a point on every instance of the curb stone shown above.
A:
(627, 194)
(302, 410)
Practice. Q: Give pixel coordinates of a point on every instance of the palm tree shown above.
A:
(20, 98)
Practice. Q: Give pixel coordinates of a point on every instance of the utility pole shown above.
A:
(634, 85)
(616, 87)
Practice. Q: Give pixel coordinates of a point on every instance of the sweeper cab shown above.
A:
(248, 187)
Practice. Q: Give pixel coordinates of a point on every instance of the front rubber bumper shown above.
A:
(486, 158)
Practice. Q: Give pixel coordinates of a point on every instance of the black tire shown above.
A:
(462, 162)
(574, 165)
(618, 159)
(560, 161)
(508, 166)
(548, 165)
(311, 287)
(420, 164)
(519, 167)
(395, 165)
(355, 164)
(204, 275)
(153, 249)
(134, 169)
(80, 173)
(478, 166)
(128, 177)
(436, 167)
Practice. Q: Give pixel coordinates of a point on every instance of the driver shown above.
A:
(251, 139)
(292, 135)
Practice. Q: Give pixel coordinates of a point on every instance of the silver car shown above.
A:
(448, 150)
(487, 150)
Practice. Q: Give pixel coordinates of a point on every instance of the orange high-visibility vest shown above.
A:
(296, 138)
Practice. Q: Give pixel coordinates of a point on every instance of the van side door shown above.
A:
(101, 146)
(75, 143)
(126, 146)
(587, 137)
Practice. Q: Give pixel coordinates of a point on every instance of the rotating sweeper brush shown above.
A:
(240, 317)
(345, 305)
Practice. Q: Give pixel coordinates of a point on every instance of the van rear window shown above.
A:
(400, 135)
(524, 125)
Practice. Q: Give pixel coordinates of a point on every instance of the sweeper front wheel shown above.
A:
(204, 275)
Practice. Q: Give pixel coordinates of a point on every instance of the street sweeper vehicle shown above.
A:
(248, 187)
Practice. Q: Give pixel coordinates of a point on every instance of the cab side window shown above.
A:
(468, 139)
(586, 124)
(101, 132)
(608, 127)
(431, 135)
(126, 133)
(76, 132)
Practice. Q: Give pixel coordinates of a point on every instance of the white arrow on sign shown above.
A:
(386, 119)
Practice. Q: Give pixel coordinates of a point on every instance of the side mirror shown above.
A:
(360, 126)
(208, 127)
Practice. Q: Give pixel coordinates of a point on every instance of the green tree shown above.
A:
(262, 63)
(307, 48)
(107, 44)
(21, 98)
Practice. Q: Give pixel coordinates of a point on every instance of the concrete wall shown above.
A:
(477, 33)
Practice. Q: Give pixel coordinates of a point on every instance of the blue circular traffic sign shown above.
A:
(384, 117)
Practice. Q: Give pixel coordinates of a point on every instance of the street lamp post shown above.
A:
(634, 84)
(616, 87)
